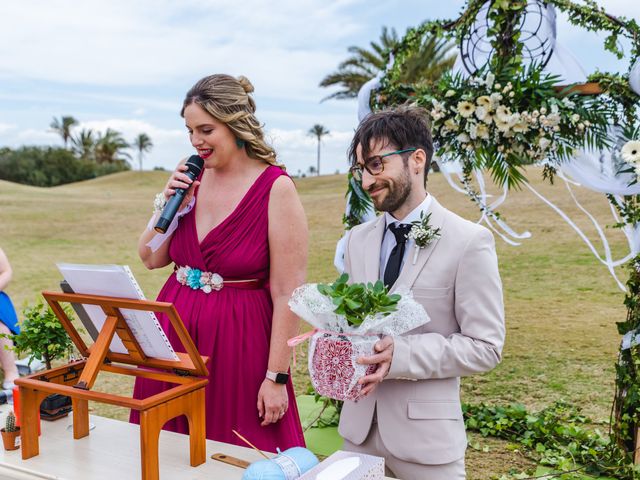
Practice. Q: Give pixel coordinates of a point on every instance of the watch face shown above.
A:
(282, 377)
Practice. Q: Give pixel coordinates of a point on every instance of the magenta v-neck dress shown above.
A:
(231, 326)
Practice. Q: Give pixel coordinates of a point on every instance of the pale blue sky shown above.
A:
(127, 64)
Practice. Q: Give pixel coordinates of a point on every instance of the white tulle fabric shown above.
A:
(594, 170)
(634, 77)
(598, 171)
(333, 368)
(451, 169)
(341, 247)
(364, 96)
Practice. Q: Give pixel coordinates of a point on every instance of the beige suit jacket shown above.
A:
(456, 279)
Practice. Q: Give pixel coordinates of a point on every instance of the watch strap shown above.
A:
(277, 377)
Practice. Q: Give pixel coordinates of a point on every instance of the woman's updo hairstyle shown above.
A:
(228, 100)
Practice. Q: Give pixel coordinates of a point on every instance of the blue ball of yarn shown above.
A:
(294, 461)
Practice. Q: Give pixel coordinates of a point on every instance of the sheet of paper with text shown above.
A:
(118, 281)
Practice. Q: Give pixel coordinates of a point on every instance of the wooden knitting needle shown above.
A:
(250, 444)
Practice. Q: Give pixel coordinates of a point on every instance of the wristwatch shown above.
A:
(277, 377)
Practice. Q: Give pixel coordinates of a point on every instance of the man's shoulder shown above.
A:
(460, 229)
(363, 228)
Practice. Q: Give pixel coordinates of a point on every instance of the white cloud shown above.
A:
(15, 138)
(333, 116)
(297, 150)
(169, 145)
(131, 128)
(6, 127)
(121, 43)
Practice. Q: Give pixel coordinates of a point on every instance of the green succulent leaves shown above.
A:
(357, 301)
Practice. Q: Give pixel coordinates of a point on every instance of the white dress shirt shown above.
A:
(389, 239)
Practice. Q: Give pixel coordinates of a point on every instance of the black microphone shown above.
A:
(194, 166)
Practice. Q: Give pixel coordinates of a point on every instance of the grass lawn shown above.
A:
(561, 303)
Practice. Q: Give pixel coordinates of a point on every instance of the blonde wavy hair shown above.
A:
(228, 100)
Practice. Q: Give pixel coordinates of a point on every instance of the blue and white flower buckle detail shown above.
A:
(198, 280)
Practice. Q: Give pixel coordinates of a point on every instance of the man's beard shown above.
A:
(397, 195)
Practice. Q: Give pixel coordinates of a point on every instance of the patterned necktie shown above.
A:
(392, 270)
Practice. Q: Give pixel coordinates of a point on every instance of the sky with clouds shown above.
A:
(127, 64)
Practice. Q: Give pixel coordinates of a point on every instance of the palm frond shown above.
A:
(431, 61)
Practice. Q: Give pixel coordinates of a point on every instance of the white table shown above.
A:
(112, 452)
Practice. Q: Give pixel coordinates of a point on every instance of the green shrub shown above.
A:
(41, 336)
(49, 166)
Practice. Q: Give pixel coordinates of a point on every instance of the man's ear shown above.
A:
(419, 160)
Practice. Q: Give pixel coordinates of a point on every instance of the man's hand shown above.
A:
(382, 358)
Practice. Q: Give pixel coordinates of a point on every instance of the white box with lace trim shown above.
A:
(347, 466)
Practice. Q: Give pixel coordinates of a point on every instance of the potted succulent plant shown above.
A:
(349, 318)
(43, 337)
(10, 432)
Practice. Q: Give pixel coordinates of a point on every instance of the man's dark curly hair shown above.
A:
(401, 128)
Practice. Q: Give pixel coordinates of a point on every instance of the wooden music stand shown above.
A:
(77, 378)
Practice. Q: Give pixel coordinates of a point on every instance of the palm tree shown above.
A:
(83, 144)
(63, 127)
(318, 131)
(142, 143)
(428, 63)
(432, 60)
(109, 147)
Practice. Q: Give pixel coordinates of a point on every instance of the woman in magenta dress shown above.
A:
(246, 229)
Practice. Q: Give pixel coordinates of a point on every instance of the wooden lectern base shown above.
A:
(76, 379)
(185, 399)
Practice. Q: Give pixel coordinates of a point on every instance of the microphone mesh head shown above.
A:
(194, 165)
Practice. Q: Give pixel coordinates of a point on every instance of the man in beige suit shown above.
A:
(410, 410)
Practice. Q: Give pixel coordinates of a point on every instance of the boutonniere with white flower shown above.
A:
(422, 234)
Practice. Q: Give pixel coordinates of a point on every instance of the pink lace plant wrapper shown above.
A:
(333, 368)
(336, 346)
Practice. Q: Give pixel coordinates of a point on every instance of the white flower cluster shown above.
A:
(487, 115)
(159, 201)
(631, 154)
(421, 235)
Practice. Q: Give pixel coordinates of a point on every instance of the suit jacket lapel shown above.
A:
(374, 244)
(409, 271)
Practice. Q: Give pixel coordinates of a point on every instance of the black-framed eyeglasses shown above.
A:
(375, 165)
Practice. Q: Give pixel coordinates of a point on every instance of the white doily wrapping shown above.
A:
(335, 346)
(316, 309)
